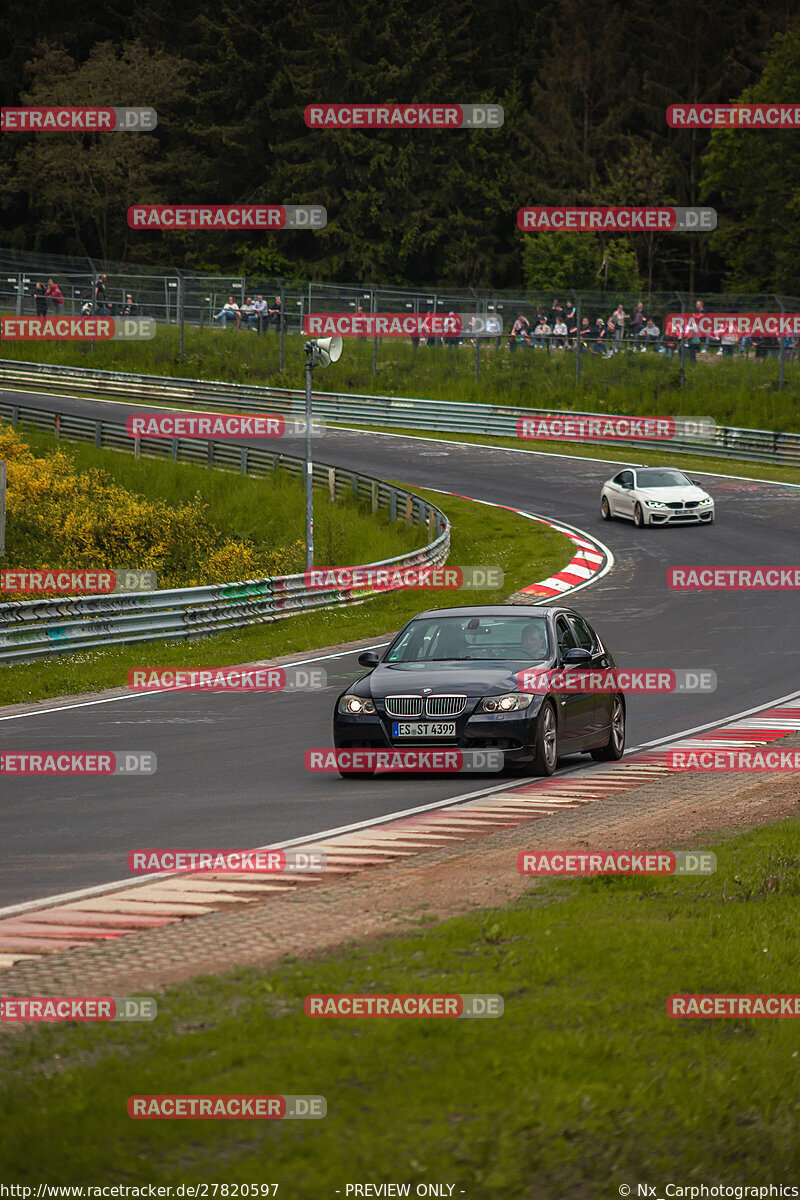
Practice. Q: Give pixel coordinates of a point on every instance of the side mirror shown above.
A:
(368, 659)
(577, 657)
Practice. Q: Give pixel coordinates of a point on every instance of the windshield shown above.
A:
(470, 639)
(657, 478)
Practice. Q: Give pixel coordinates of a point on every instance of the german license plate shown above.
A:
(423, 729)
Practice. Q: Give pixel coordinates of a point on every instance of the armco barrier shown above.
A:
(395, 411)
(33, 628)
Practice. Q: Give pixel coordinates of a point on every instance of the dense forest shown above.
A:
(584, 87)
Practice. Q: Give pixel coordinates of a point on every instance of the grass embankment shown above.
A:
(345, 534)
(583, 1085)
(730, 391)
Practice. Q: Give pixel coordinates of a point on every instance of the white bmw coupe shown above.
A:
(656, 496)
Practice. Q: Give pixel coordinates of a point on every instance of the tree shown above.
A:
(584, 261)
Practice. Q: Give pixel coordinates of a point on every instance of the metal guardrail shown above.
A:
(726, 441)
(34, 628)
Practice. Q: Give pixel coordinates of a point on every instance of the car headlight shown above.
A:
(353, 705)
(511, 702)
(656, 504)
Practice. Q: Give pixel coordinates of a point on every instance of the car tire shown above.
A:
(545, 758)
(615, 747)
(605, 509)
(638, 516)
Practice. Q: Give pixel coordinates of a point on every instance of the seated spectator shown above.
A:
(40, 300)
(600, 334)
(228, 312)
(248, 311)
(54, 293)
(541, 333)
(586, 334)
(649, 334)
(729, 342)
(518, 331)
(560, 333)
(128, 308)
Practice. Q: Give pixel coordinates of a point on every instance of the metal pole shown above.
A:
(373, 308)
(282, 328)
(783, 349)
(578, 340)
(180, 305)
(309, 470)
(680, 343)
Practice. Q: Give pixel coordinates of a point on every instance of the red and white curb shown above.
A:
(33, 931)
(592, 559)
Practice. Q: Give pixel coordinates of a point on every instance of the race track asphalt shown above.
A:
(230, 766)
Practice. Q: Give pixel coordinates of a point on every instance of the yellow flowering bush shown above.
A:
(59, 517)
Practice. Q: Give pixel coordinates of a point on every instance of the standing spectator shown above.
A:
(556, 313)
(728, 341)
(571, 319)
(637, 323)
(228, 312)
(261, 309)
(619, 317)
(54, 293)
(452, 341)
(560, 333)
(129, 308)
(101, 296)
(40, 300)
(276, 315)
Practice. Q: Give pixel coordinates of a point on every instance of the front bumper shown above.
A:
(513, 733)
(690, 516)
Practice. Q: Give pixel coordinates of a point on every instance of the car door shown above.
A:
(576, 709)
(623, 496)
(587, 639)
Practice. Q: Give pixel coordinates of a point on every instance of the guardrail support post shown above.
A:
(393, 504)
(57, 425)
(98, 434)
(374, 496)
(243, 461)
(409, 510)
(137, 447)
(332, 484)
(173, 450)
(355, 486)
(210, 453)
(15, 415)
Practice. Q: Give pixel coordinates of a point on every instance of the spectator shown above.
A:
(40, 300)
(541, 333)
(556, 313)
(619, 317)
(101, 305)
(519, 331)
(637, 323)
(587, 336)
(248, 311)
(228, 312)
(571, 319)
(560, 333)
(649, 334)
(276, 315)
(452, 341)
(597, 339)
(729, 340)
(261, 310)
(129, 308)
(54, 293)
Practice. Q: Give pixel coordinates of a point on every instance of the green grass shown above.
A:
(525, 550)
(269, 512)
(730, 391)
(582, 1085)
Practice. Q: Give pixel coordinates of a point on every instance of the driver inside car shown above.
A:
(534, 640)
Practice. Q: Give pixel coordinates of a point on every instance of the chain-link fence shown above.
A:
(560, 326)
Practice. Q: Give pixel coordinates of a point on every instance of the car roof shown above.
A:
(495, 610)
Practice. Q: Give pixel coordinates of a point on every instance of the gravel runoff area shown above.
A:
(683, 811)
